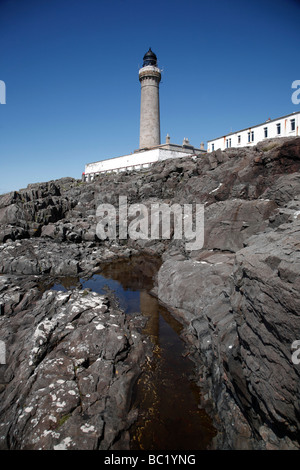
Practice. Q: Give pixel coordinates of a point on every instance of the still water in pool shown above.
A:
(168, 399)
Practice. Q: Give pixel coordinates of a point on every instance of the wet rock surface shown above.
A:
(73, 356)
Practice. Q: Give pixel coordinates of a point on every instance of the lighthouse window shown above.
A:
(265, 132)
(278, 128)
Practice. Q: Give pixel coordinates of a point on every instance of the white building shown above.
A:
(140, 159)
(285, 126)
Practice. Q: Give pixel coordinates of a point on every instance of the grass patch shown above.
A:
(62, 420)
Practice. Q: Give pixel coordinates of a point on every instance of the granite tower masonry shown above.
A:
(149, 76)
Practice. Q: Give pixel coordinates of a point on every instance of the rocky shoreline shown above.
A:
(73, 357)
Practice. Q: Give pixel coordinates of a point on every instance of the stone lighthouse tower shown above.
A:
(149, 76)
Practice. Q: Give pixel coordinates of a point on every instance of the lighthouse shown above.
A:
(149, 77)
(150, 148)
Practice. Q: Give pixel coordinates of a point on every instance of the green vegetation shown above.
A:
(62, 420)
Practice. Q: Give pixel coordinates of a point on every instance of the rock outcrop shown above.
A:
(73, 359)
(70, 374)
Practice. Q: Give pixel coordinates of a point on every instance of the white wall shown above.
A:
(257, 133)
(135, 160)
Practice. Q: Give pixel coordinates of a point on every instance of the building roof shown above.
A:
(149, 58)
(256, 125)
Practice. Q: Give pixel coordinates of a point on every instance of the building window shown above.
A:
(293, 124)
(252, 136)
(229, 142)
(265, 132)
(249, 135)
(278, 129)
(212, 147)
(239, 139)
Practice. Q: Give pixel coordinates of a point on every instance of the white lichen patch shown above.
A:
(89, 377)
(60, 404)
(47, 432)
(40, 336)
(28, 409)
(90, 303)
(43, 329)
(62, 296)
(64, 444)
(87, 428)
(79, 361)
(25, 412)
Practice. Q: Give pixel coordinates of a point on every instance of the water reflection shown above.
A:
(170, 417)
(167, 399)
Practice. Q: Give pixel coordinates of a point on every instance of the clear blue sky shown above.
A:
(71, 74)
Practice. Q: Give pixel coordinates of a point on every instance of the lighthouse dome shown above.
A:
(149, 58)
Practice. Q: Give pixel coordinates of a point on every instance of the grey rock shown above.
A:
(70, 370)
(228, 224)
(266, 306)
